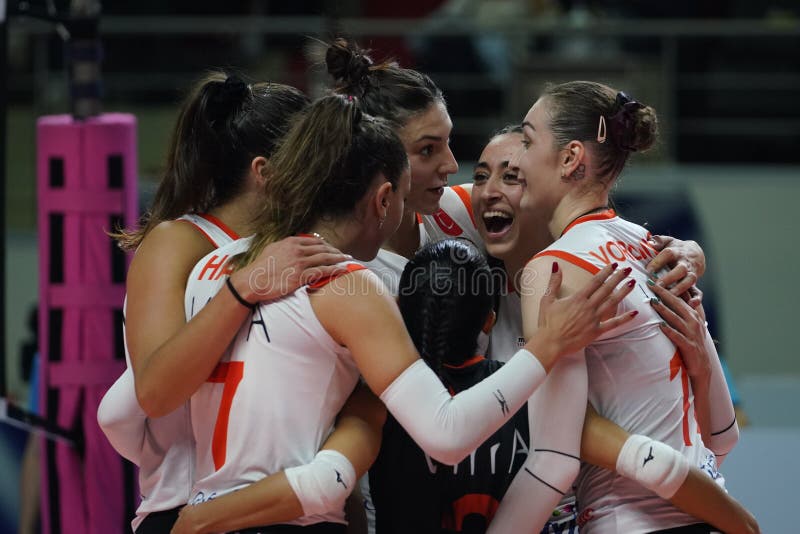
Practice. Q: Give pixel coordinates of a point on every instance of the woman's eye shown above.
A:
(480, 178)
(510, 177)
(427, 150)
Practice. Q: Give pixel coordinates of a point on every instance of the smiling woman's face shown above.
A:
(426, 138)
(496, 193)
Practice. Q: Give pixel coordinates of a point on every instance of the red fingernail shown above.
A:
(631, 283)
(555, 266)
(614, 266)
(628, 270)
(634, 313)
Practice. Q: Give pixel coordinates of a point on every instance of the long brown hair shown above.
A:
(222, 125)
(323, 167)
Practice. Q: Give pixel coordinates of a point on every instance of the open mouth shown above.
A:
(437, 190)
(497, 222)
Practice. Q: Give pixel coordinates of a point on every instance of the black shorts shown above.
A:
(316, 528)
(159, 522)
(697, 528)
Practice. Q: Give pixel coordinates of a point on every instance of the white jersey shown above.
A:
(636, 379)
(166, 461)
(273, 398)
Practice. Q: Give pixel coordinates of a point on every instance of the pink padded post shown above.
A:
(86, 184)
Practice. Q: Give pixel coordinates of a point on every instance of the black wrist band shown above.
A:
(237, 296)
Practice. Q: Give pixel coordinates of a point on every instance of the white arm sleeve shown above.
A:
(724, 430)
(448, 428)
(555, 414)
(121, 418)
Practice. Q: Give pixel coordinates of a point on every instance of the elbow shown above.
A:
(445, 451)
(150, 402)
(723, 442)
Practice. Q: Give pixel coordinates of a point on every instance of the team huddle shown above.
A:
(323, 336)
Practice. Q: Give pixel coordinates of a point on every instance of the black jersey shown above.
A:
(413, 493)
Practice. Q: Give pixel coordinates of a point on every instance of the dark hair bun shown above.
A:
(348, 64)
(225, 97)
(644, 129)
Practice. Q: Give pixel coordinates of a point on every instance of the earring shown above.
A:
(380, 222)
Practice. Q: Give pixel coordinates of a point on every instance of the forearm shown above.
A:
(556, 414)
(359, 430)
(704, 499)
(721, 433)
(449, 427)
(190, 355)
(270, 500)
(602, 440)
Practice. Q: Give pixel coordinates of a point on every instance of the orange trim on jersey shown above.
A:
(199, 229)
(322, 282)
(229, 373)
(221, 225)
(419, 218)
(570, 258)
(466, 199)
(602, 216)
(466, 363)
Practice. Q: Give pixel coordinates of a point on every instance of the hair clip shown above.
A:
(601, 130)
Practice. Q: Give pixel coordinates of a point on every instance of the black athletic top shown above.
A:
(414, 493)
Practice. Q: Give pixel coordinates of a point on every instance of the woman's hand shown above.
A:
(686, 328)
(187, 522)
(685, 259)
(567, 325)
(285, 265)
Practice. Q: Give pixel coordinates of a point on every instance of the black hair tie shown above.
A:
(621, 123)
(229, 96)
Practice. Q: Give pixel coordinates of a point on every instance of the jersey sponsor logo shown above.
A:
(201, 497)
(562, 526)
(447, 224)
(518, 454)
(585, 516)
(623, 251)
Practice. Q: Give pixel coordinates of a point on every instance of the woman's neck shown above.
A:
(406, 240)
(571, 209)
(344, 235)
(238, 214)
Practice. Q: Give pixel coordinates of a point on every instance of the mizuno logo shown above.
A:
(339, 479)
(502, 400)
(649, 456)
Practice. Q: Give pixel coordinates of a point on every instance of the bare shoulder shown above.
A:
(357, 297)
(536, 276)
(172, 246)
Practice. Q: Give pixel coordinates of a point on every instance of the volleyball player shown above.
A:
(577, 138)
(217, 158)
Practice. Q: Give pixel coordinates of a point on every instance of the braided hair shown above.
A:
(445, 297)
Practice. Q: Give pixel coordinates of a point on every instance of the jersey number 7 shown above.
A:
(230, 374)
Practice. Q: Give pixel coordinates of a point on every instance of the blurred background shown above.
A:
(724, 76)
